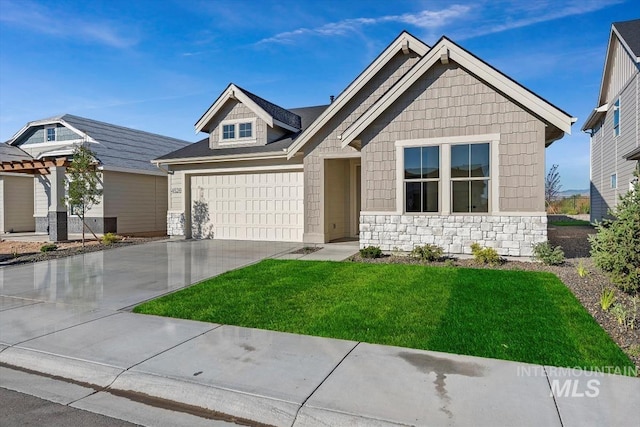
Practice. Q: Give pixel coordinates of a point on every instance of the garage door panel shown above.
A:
(259, 206)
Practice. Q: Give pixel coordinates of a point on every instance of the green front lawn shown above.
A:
(514, 315)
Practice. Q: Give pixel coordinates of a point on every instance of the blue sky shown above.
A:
(158, 65)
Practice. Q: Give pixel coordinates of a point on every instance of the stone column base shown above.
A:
(58, 226)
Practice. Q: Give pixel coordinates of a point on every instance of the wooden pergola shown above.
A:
(33, 166)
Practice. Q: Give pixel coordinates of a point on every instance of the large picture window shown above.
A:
(470, 178)
(422, 178)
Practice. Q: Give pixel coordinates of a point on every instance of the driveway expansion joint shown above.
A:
(555, 402)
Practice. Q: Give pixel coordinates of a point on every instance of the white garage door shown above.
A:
(252, 206)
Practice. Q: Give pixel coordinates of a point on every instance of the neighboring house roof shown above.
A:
(271, 113)
(443, 51)
(9, 153)
(201, 148)
(628, 34)
(633, 155)
(115, 146)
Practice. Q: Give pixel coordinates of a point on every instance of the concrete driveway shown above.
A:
(119, 278)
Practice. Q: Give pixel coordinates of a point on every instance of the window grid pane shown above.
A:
(51, 134)
(245, 130)
(228, 131)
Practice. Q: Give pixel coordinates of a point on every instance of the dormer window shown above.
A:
(238, 131)
(228, 132)
(49, 133)
(245, 130)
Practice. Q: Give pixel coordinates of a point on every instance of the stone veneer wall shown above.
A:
(509, 235)
(175, 224)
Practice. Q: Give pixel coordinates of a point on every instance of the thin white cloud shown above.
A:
(426, 19)
(542, 11)
(57, 23)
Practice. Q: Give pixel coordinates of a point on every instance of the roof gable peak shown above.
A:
(269, 112)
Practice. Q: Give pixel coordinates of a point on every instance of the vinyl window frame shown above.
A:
(445, 194)
(237, 139)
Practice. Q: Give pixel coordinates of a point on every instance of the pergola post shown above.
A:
(57, 207)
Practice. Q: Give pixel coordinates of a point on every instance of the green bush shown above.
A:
(109, 238)
(49, 247)
(371, 252)
(607, 298)
(615, 246)
(548, 254)
(485, 255)
(428, 252)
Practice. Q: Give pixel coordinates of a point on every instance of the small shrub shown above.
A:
(614, 247)
(49, 247)
(634, 350)
(449, 263)
(547, 254)
(607, 298)
(109, 238)
(428, 252)
(582, 270)
(371, 252)
(485, 255)
(620, 314)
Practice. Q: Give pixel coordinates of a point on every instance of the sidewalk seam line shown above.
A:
(64, 329)
(158, 354)
(322, 382)
(555, 403)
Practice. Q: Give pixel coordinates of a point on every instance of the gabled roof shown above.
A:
(628, 34)
(271, 113)
(404, 42)
(115, 146)
(443, 51)
(201, 150)
(9, 153)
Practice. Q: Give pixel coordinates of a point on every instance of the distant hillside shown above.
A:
(569, 193)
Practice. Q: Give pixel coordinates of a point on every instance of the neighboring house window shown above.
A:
(470, 178)
(422, 178)
(616, 118)
(50, 133)
(229, 131)
(614, 181)
(245, 130)
(239, 130)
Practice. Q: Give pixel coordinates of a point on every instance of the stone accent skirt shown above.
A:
(509, 235)
(175, 224)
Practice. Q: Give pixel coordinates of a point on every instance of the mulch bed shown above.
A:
(574, 242)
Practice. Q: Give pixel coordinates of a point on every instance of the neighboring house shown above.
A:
(426, 145)
(615, 122)
(134, 198)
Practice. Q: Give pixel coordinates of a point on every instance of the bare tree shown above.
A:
(551, 186)
(84, 185)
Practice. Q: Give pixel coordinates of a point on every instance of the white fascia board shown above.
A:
(233, 92)
(130, 170)
(216, 159)
(605, 70)
(474, 66)
(414, 44)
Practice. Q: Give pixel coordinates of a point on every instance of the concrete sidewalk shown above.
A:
(73, 327)
(285, 379)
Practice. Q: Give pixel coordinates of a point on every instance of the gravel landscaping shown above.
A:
(17, 252)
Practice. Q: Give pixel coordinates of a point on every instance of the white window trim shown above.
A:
(237, 139)
(617, 109)
(46, 132)
(445, 171)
